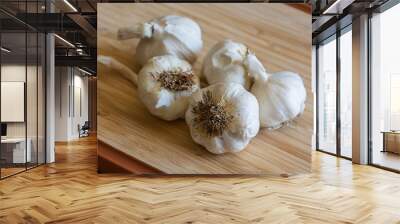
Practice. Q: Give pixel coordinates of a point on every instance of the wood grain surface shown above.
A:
(70, 191)
(280, 36)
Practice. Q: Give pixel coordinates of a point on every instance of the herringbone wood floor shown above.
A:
(70, 191)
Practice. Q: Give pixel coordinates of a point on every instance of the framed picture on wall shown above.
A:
(12, 101)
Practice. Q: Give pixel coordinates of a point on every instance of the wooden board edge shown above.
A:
(111, 160)
(305, 7)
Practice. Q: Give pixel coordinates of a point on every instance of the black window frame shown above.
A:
(334, 37)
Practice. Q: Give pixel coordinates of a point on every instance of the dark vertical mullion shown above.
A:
(37, 90)
(60, 88)
(317, 96)
(73, 92)
(45, 95)
(45, 87)
(0, 94)
(338, 82)
(69, 92)
(369, 90)
(26, 86)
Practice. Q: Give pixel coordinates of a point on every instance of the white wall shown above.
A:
(12, 73)
(33, 126)
(81, 84)
(70, 83)
(62, 81)
(50, 94)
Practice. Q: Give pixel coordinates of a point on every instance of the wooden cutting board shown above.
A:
(280, 36)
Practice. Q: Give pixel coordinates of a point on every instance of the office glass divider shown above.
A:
(34, 91)
(338, 124)
(338, 151)
(369, 125)
(370, 76)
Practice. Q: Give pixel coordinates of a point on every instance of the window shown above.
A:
(327, 96)
(385, 89)
(334, 96)
(346, 93)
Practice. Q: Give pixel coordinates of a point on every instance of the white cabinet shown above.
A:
(17, 145)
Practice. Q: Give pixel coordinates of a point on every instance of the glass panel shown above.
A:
(13, 90)
(22, 89)
(41, 98)
(31, 100)
(346, 94)
(327, 96)
(385, 84)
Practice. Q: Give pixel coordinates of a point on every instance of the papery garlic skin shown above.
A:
(162, 102)
(227, 61)
(281, 97)
(245, 123)
(175, 35)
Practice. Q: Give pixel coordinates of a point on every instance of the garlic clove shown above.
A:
(281, 97)
(166, 99)
(223, 117)
(175, 35)
(165, 85)
(254, 67)
(230, 61)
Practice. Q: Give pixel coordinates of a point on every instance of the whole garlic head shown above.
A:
(176, 35)
(165, 85)
(223, 117)
(230, 61)
(281, 97)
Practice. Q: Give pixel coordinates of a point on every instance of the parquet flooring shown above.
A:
(70, 191)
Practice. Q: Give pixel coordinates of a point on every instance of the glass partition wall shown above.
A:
(22, 106)
(385, 89)
(334, 94)
(327, 95)
(345, 61)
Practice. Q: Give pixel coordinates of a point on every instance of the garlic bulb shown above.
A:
(281, 97)
(165, 85)
(223, 117)
(229, 61)
(176, 35)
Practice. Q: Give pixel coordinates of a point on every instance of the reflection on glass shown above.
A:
(14, 153)
(22, 91)
(41, 98)
(346, 93)
(327, 96)
(31, 100)
(385, 84)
